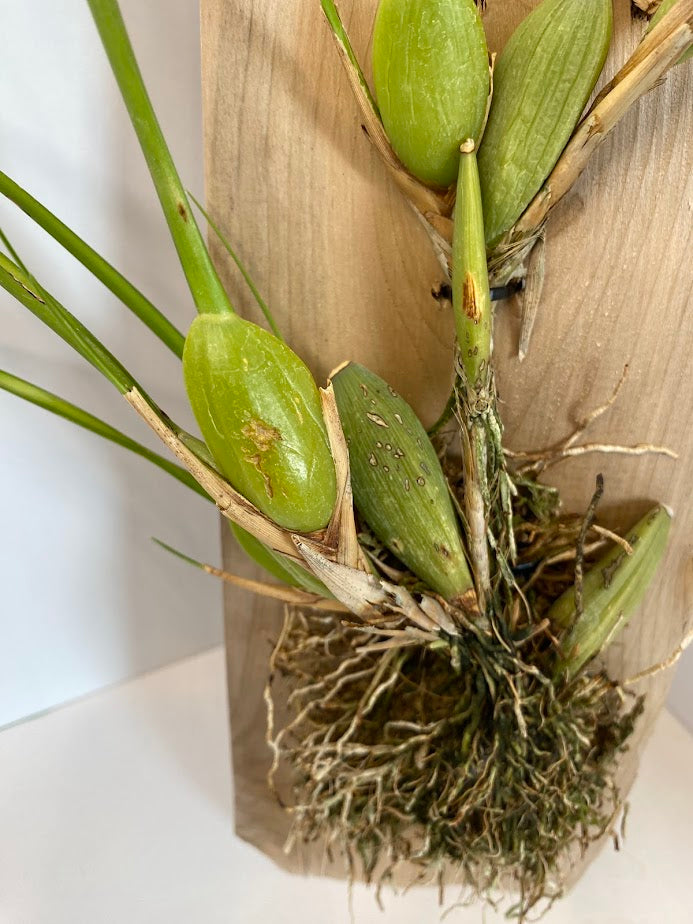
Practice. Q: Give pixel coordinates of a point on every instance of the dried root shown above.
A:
(430, 743)
(460, 758)
(533, 463)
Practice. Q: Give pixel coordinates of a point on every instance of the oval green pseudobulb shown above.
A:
(283, 569)
(259, 412)
(542, 81)
(612, 591)
(431, 75)
(277, 565)
(398, 483)
(657, 18)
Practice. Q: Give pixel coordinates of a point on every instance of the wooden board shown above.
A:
(348, 272)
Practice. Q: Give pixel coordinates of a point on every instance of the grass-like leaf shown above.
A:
(26, 289)
(122, 288)
(76, 415)
(203, 280)
(243, 271)
(290, 594)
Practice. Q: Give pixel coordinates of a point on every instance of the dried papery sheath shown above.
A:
(431, 74)
(284, 569)
(611, 592)
(259, 412)
(399, 486)
(659, 16)
(542, 81)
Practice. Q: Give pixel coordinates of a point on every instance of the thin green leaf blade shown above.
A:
(47, 309)
(243, 271)
(121, 287)
(206, 288)
(81, 418)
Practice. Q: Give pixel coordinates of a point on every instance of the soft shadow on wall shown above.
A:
(87, 599)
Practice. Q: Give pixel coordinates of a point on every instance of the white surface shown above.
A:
(118, 809)
(86, 598)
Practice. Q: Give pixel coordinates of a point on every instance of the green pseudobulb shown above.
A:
(611, 592)
(541, 83)
(260, 415)
(398, 483)
(431, 75)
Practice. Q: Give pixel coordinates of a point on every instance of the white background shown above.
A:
(86, 599)
(116, 810)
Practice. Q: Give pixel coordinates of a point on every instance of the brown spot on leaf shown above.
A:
(182, 211)
(261, 434)
(469, 302)
(263, 437)
(256, 460)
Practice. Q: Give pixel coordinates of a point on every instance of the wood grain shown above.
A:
(348, 272)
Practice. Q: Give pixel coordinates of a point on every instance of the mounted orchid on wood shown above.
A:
(445, 703)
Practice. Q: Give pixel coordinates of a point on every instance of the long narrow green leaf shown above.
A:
(205, 285)
(11, 251)
(76, 415)
(329, 8)
(288, 572)
(131, 297)
(178, 554)
(47, 309)
(259, 553)
(19, 283)
(27, 290)
(243, 271)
